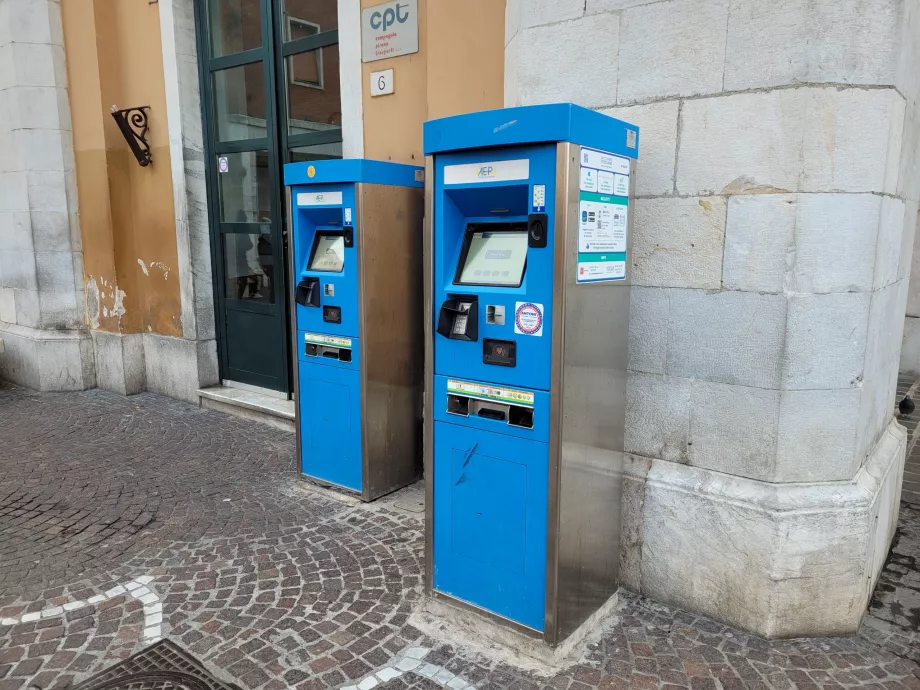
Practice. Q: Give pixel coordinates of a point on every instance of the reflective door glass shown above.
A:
(239, 102)
(236, 25)
(313, 95)
(245, 187)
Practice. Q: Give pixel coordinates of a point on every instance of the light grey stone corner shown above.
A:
(835, 242)
(574, 61)
(733, 429)
(727, 337)
(120, 365)
(657, 124)
(779, 43)
(678, 242)
(778, 560)
(658, 416)
(648, 329)
(816, 438)
(177, 367)
(672, 49)
(910, 346)
(825, 340)
(759, 240)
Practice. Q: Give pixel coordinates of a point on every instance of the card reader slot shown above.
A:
(514, 415)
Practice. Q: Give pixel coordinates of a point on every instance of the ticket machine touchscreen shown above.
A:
(328, 253)
(493, 257)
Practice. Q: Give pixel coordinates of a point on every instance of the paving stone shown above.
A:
(283, 585)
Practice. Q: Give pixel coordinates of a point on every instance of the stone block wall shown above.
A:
(41, 263)
(777, 189)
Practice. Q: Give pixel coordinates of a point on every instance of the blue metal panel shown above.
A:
(530, 125)
(308, 220)
(539, 432)
(330, 423)
(353, 170)
(490, 501)
(455, 206)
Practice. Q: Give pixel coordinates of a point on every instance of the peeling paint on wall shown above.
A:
(93, 302)
(154, 264)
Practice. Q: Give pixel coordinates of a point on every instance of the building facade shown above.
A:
(774, 302)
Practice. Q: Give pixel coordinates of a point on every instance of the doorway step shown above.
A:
(246, 403)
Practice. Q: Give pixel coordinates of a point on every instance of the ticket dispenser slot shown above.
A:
(307, 293)
(342, 354)
(514, 415)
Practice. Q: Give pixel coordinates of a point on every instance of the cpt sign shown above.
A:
(486, 171)
(384, 20)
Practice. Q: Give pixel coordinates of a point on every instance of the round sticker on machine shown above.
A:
(311, 172)
(528, 318)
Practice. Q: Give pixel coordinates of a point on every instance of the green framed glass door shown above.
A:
(270, 94)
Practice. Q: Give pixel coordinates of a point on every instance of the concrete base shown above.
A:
(439, 618)
(778, 560)
(178, 367)
(120, 362)
(47, 360)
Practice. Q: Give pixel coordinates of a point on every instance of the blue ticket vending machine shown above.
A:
(527, 310)
(357, 267)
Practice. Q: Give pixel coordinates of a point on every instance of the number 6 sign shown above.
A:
(382, 82)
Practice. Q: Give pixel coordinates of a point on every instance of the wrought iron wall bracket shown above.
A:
(133, 125)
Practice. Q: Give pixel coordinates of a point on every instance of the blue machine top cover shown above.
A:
(353, 170)
(531, 124)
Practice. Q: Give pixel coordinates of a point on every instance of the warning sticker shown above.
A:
(491, 393)
(330, 340)
(528, 318)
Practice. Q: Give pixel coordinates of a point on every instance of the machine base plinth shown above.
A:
(456, 623)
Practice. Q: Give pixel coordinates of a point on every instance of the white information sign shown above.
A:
(382, 83)
(603, 210)
(389, 30)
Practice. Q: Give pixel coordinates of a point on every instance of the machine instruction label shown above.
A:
(329, 340)
(490, 393)
(539, 198)
(528, 318)
(603, 216)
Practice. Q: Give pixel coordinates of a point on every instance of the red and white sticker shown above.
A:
(528, 318)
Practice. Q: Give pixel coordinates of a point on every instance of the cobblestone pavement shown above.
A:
(127, 520)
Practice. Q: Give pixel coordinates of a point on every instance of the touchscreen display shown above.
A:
(495, 258)
(328, 254)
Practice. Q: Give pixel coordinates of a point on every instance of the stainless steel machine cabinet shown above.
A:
(527, 280)
(356, 264)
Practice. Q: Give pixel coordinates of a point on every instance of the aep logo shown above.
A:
(384, 20)
(486, 171)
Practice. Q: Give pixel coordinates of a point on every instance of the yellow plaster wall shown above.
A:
(127, 219)
(459, 68)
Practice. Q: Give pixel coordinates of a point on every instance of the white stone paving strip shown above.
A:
(413, 659)
(136, 588)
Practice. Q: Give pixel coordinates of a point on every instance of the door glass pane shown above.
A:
(236, 25)
(317, 152)
(245, 189)
(303, 18)
(239, 102)
(313, 95)
(250, 267)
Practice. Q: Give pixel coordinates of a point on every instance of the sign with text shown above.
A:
(389, 30)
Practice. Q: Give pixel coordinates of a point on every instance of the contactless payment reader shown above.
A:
(527, 286)
(358, 328)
